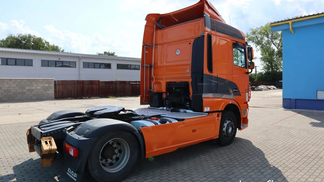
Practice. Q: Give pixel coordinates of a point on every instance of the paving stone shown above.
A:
(278, 145)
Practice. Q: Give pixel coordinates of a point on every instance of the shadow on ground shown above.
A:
(30, 170)
(202, 162)
(315, 115)
(209, 162)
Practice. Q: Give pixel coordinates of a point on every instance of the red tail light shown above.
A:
(73, 151)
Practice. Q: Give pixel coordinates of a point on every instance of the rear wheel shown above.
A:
(227, 129)
(113, 156)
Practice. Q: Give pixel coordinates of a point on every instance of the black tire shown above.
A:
(105, 152)
(227, 129)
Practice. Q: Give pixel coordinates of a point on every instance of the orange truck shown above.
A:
(194, 77)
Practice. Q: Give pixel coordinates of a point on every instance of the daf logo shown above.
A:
(177, 51)
(72, 174)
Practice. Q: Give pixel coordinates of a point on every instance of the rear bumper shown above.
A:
(45, 147)
(35, 136)
(75, 166)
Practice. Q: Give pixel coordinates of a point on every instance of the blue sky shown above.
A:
(106, 25)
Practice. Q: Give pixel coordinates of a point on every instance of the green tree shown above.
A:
(266, 77)
(108, 53)
(270, 45)
(28, 41)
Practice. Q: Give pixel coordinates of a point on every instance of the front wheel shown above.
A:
(113, 156)
(228, 127)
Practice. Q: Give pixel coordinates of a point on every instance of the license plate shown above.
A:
(72, 174)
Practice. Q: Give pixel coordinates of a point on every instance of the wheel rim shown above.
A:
(114, 155)
(228, 128)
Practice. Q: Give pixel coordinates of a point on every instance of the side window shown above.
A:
(239, 55)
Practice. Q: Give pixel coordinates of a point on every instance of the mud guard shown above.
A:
(60, 115)
(84, 137)
(64, 114)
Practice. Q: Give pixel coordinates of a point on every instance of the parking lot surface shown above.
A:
(278, 145)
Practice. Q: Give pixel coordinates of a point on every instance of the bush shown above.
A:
(266, 77)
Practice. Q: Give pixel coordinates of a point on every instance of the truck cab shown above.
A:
(192, 59)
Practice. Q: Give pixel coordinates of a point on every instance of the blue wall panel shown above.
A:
(303, 63)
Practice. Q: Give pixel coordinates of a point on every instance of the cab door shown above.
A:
(223, 62)
(240, 72)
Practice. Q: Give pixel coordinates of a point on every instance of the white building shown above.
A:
(21, 63)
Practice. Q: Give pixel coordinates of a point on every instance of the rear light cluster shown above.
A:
(72, 151)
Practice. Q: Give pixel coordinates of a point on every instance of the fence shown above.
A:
(95, 88)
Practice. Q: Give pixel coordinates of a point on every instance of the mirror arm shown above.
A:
(249, 72)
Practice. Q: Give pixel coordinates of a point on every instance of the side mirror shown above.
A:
(250, 53)
(251, 65)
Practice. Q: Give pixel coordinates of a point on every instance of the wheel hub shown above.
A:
(114, 155)
(228, 128)
(108, 152)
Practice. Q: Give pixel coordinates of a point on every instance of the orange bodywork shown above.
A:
(167, 57)
(166, 138)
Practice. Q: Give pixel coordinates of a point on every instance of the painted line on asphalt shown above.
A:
(285, 118)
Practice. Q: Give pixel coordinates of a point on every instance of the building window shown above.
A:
(128, 67)
(61, 64)
(20, 62)
(72, 64)
(16, 62)
(58, 63)
(44, 63)
(239, 55)
(11, 62)
(28, 62)
(51, 63)
(97, 65)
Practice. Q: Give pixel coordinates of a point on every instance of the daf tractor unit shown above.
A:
(194, 77)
